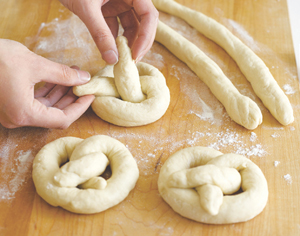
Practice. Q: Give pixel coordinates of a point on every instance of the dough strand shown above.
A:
(240, 108)
(254, 69)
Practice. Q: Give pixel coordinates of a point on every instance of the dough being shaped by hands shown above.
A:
(127, 94)
(254, 69)
(66, 173)
(198, 183)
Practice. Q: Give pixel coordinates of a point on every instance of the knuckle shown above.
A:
(66, 72)
(100, 36)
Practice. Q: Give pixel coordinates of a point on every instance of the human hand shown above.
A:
(51, 106)
(138, 18)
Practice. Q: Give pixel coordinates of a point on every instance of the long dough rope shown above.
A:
(240, 108)
(256, 72)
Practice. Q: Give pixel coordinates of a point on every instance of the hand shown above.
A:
(51, 106)
(139, 18)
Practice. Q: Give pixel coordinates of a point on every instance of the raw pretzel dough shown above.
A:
(240, 108)
(142, 87)
(56, 182)
(197, 182)
(257, 73)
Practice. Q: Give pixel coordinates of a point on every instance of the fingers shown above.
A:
(56, 73)
(113, 24)
(148, 16)
(53, 96)
(54, 117)
(130, 24)
(100, 31)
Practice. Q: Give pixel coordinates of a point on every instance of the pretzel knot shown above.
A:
(211, 187)
(127, 94)
(66, 173)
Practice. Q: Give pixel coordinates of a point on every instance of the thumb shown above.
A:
(61, 74)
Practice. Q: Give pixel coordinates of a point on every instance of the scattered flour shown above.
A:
(14, 173)
(288, 178)
(148, 159)
(66, 41)
(288, 89)
(253, 137)
(275, 135)
(276, 163)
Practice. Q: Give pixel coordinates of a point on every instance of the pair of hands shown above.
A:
(54, 105)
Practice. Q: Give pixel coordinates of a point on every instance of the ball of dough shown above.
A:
(66, 173)
(203, 184)
(128, 94)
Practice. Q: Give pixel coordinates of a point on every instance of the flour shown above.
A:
(148, 150)
(276, 163)
(14, 173)
(253, 137)
(288, 89)
(68, 42)
(288, 178)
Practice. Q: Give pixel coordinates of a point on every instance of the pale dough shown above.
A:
(257, 73)
(240, 108)
(142, 88)
(200, 183)
(66, 173)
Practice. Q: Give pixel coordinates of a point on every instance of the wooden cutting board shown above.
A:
(194, 118)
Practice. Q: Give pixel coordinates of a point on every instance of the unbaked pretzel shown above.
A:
(202, 184)
(66, 173)
(142, 88)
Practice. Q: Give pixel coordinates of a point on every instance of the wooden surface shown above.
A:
(194, 118)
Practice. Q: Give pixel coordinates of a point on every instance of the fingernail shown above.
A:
(139, 57)
(83, 75)
(110, 57)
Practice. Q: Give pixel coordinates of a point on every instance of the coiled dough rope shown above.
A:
(197, 182)
(256, 72)
(142, 88)
(66, 173)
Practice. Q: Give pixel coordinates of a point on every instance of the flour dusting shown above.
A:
(288, 89)
(288, 178)
(148, 157)
(66, 41)
(14, 172)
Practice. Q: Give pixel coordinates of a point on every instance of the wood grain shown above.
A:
(194, 117)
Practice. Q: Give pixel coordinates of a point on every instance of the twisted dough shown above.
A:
(145, 95)
(66, 163)
(197, 182)
(256, 72)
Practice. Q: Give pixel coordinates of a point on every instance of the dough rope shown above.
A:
(142, 88)
(197, 182)
(62, 165)
(240, 108)
(255, 70)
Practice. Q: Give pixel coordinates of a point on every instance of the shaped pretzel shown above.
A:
(127, 94)
(202, 184)
(66, 173)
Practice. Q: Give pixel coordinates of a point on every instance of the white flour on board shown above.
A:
(217, 140)
(14, 171)
(288, 178)
(64, 41)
